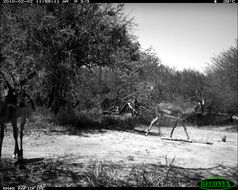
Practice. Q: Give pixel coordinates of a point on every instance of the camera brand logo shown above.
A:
(215, 183)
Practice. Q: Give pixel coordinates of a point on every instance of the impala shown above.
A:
(133, 105)
(176, 112)
(13, 105)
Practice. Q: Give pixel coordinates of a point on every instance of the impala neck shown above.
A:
(191, 111)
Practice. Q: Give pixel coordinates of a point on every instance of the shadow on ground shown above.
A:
(61, 173)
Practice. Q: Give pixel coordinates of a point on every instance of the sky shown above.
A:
(184, 35)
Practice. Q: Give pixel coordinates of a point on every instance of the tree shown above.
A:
(58, 41)
(222, 82)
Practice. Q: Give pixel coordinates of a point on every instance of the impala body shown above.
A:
(10, 115)
(176, 112)
(13, 105)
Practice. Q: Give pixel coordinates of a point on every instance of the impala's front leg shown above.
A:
(15, 135)
(152, 122)
(23, 121)
(171, 134)
(185, 129)
(157, 124)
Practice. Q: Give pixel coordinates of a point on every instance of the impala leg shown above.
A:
(15, 135)
(185, 129)
(21, 137)
(132, 113)
(157, 124)
(175, 124)
(1, 137)
(152, 122)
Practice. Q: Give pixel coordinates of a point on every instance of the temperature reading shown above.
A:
(84, 1)
(229, 1)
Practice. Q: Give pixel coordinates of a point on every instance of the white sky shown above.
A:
(185, 35)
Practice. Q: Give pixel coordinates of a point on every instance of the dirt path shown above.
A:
(194, 161)
(132, 147)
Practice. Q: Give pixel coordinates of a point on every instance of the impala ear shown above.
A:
(13, 79)
(202, 102)
(196, 93)
(6, 90)
(6, 82)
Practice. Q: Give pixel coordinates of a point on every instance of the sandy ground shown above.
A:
(132, 147)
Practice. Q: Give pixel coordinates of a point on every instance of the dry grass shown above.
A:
(58, 173)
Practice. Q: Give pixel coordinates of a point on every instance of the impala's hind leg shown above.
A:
(15, 135)
(152, 122)
(157, 124)
(175, 124)
(1, 137)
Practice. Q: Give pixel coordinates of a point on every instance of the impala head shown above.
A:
(201, 102)
(10, 94)
(16, 96)
(202, 107)
(199, 108)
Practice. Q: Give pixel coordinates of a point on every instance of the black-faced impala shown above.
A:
(133, 106)
(13, 105)
(177, 113)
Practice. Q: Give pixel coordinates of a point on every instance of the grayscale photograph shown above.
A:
(118, 95)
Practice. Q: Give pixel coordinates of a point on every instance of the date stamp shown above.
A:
(45, 1)
(17, 1)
